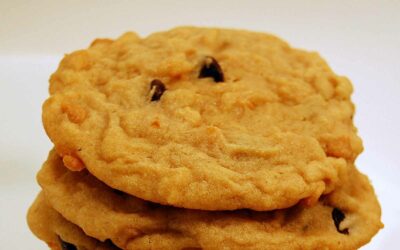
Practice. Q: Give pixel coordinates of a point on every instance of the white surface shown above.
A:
(360, 39)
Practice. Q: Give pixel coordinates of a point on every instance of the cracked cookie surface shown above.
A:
(210, 119)
(345, 219)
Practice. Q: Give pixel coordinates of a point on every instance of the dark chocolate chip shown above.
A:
(338, 216)
(158, 88)
(66, 246)
(212, 69)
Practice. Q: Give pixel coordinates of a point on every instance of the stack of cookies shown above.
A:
(200, 138)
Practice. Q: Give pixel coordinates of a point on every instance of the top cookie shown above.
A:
(200, 118)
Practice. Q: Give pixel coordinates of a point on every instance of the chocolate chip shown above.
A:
(66, 246)
(158, 89)
(338, 216)
(212, 69)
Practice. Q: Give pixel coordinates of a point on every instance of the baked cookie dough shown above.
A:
(202, 118)
(60, 234)
(345, 219)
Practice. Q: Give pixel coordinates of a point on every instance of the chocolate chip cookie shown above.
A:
(202, 118)
(347, 218)
(57, 232)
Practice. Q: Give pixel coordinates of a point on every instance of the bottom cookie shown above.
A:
(345, 219)
(60, 234)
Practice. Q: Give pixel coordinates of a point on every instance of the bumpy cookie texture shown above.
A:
(241, 120)
(57, 232)
(345, 219)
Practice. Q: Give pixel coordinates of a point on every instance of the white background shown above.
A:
(360, 39)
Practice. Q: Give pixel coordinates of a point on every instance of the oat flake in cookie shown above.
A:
(210, 119)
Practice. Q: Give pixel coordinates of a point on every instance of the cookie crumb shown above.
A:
(73, 163)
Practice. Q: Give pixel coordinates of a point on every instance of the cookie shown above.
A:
(345, 219)
(202, 118)
(60, 234)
